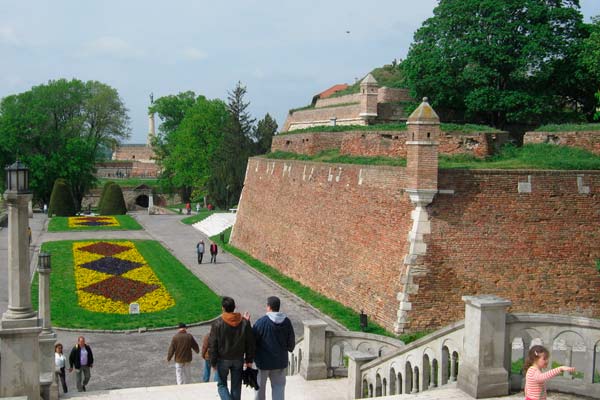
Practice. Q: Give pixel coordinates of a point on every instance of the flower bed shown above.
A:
(77, 222)
(93, 282)
(111, 275)
(93, 223)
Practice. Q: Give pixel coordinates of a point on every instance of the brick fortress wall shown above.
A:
(386, 143)
(588, 140)
(342, 230)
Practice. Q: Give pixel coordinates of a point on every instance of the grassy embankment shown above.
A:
(194, 301)
(530, 156)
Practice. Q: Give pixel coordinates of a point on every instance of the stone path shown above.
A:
(138, 359)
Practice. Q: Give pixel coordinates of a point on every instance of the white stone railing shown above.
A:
(483, 354)
(426, 363)
(573, 341)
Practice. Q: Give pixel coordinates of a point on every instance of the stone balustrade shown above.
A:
(484, 354)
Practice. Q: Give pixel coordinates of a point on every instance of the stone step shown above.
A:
(216, 223)
(296, 389)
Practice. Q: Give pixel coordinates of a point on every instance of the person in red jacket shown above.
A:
(213, 252)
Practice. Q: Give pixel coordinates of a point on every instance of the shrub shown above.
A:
(103, 193)
(113, 202)
(62, 203)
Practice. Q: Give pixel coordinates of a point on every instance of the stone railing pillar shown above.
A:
(313, 360)
(47, 338)
(356, 359)
(481, 372)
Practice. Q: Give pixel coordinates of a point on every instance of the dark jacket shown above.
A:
(275, 337)
(75, 357)
(231, 338)
(181, 347)
(214, 249)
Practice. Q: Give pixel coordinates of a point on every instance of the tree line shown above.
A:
(203, 145)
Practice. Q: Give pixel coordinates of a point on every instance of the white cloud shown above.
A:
(112, 46)
(8, 36)
(191, 53)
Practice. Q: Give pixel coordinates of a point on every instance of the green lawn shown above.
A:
(342, 314)
(60, 224)
(204, 213)
(530, 156)
(568, 127)
(454, 128)
(194, 301)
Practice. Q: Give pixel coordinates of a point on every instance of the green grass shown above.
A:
(342, 314)
(454, 128)
(130, 182)
(194, 301)
(387, 75)
(60, 224)
(568, 127)
(530, 156)
(204, 213)
(334, 156)
(516, 367)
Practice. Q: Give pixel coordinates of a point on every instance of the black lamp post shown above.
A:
(44, 260)
(364, 323)
(17, 178)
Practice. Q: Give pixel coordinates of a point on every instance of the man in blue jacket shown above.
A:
(275, 337)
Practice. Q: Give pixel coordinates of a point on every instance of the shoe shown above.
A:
(84, 388)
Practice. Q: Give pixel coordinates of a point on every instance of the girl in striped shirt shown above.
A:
(535, 379)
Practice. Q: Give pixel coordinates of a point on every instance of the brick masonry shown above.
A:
(342, 230)
(588, 140)
(386, 143)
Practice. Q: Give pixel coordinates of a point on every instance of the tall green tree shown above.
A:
(266, 128)
(228, 165)
(590, 57)
(58, 129)
(498, 62)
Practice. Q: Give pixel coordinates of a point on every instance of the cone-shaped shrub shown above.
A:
(113, 202)
(62, 203)
(103, 193)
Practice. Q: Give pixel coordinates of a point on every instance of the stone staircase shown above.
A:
(216, 223)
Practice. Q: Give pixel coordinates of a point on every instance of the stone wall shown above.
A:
(588, 140)
(330, 101)
(130, 152)
(342, 230)
(386, 143)
(392, 95)
(345, 115)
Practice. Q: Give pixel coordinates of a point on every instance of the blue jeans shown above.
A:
(277, 377)
(207, 369)
(223, 368)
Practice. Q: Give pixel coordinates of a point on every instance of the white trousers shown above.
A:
(183, 372)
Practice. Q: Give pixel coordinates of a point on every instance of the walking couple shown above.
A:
(213, 251)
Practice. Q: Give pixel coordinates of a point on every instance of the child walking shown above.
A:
(535, 379)
(60, 363)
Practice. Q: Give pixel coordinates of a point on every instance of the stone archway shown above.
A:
(142, 200)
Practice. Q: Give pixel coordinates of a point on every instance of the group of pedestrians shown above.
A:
(81, 359)
(234, 345)
(213, 248)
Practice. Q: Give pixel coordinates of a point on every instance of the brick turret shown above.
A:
(422, 148)
(369, 90)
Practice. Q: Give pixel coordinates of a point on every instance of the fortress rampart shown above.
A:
(530, 236)
(588, 140)
(386, 143)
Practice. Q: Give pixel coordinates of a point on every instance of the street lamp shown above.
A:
(44, 260)
(17, 178)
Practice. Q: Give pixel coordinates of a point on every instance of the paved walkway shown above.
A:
(138, 359)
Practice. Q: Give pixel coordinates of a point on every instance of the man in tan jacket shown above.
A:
(181, 347)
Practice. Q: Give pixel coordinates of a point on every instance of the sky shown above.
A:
(284, 52)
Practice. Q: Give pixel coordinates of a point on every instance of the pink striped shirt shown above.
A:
(535, 382)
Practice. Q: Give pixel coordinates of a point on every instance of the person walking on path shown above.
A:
(535, 379)
(82, 359)
(188, 208)
(197, 208)
(206, 357)
(60, 362)
(181, 347)
(275, 337)
(231, 346)
(213, 252)
(200, 251)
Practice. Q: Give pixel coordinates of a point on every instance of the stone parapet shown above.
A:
(587, 140)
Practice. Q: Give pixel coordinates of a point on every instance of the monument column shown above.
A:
(19, 327)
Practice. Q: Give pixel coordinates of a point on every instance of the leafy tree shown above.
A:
(228, 165)
(590, 56)
(58, 129)
(265, 129)
(497, 62)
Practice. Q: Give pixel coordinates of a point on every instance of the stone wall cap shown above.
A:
(486, 301)
(314, 322)
(360, 356)
(424, 114)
